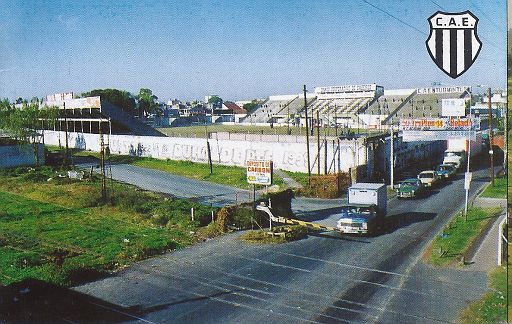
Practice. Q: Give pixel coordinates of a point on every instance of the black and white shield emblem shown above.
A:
(453, 43)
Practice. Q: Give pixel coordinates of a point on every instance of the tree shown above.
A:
(215, 101)
(251, 106)
(25, 124)
(120, 98)
(147, 102)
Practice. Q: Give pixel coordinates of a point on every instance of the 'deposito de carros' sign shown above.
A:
(259, 172)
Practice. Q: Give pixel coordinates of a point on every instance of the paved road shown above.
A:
(159, 181)
(325, 278)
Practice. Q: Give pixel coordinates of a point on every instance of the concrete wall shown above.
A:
(286, 156)
(20, 155)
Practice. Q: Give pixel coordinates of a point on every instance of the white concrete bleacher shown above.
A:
(427, 105)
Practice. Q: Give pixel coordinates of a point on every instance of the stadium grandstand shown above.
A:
(92, 115)
(426, 103)
(342, 104)
(278, 109)
(367, 105)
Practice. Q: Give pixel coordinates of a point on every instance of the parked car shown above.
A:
(446, 171)
(410, 188)
(429, 178)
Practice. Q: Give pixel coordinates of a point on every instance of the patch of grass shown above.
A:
(300, 177)
(292, 233)
(59, 231)
(226, 175)
(50, 242)
(447, 248)
(491, 308)
(498, 191)
(222, 174)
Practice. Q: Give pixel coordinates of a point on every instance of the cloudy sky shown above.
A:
(237, 49)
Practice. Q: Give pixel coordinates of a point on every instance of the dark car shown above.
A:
(446, 171)
(410, 188)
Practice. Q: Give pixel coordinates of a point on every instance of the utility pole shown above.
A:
(392, 159)
(102, 165)
(288, 119)
(325, 155)
(318, 139)
(335, 120)
(307, 135)
(66, 152)
(491, 152)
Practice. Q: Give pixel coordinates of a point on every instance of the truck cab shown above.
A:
(366, 209)
(456, 157)
(358, 219)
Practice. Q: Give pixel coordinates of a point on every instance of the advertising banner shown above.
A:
(426, 136)
(259, 172)
(453, 107)
(440, 124)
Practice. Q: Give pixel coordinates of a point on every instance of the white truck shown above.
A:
(366, 209)
(457, 148)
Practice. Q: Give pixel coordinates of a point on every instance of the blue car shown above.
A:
(446, 171)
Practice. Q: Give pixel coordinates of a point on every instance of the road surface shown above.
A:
(325, 278)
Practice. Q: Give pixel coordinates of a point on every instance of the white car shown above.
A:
(429, 178)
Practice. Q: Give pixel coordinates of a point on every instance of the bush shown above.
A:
(281, 202)
(240, 217)
(293, 233)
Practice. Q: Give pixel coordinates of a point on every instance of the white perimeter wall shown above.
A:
(286, 156)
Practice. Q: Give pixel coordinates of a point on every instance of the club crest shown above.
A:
(453, 43)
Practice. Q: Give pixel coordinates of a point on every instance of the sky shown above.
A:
(236, 49)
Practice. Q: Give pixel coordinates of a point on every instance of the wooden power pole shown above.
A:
(307, 135)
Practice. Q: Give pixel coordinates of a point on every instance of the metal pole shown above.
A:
(307, 136)
(253, 205)
(469, 158)
(491, 152)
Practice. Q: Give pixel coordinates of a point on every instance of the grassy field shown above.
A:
(59, 231)
(498, 191)
(202, 130)
(448, 248)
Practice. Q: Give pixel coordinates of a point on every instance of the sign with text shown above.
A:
(440, 124)
(259, 172)
(426, 136)
(453, 107)
(467, 180)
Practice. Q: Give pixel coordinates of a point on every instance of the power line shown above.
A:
(395, 17)
(437, 4)
(485, 15)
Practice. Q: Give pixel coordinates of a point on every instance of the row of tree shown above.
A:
(136, 105)
(26, 124)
